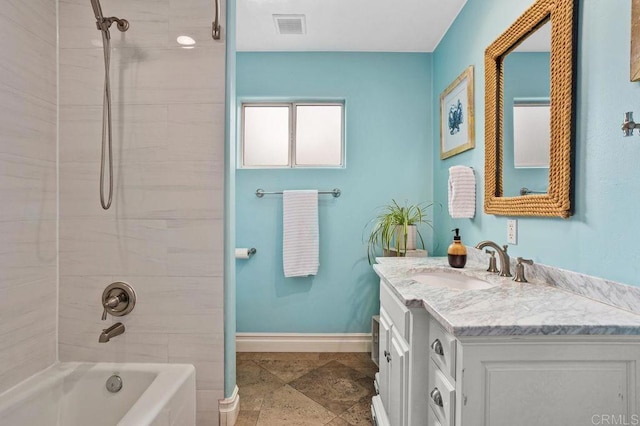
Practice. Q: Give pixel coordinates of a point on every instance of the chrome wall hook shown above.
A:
(628, 124)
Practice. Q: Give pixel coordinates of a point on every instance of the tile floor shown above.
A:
(300, 389)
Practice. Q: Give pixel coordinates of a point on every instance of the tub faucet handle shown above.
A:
(111, 303)
(118, 299)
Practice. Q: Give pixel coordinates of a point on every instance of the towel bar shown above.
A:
(335, 192)
(527, 191)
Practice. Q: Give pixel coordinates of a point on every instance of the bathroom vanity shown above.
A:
(467, 347)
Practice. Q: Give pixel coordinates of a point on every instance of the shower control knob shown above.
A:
(118, 299)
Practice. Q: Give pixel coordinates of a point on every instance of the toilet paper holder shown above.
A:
(245, 253)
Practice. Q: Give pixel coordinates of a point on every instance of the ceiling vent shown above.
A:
(290, 24)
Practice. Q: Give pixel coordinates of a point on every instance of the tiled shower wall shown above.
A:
(164, 231)
(27, 189)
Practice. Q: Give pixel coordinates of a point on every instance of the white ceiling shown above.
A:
(347, 25)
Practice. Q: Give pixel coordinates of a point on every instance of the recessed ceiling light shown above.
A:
(186, 41)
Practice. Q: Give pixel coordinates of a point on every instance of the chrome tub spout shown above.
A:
(111, 332)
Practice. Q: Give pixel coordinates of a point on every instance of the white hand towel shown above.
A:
(462, 192)
(301, 240)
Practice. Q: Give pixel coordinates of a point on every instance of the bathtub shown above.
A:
(75, 394)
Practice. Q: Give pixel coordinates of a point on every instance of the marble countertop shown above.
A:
(509, 308)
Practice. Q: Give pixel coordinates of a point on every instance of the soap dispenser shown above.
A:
(457, 252)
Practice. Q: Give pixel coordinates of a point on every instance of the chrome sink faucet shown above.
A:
(505, 267)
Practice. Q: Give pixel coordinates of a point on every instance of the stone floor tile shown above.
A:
(338, 422)
(333, 389)
(247, 418)
(254, 383)
(359, 414)
(335, 386)
(346, 356)
(291, 369)
(288, 407)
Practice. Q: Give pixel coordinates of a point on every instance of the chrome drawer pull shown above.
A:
(437, 347)
(436, 397)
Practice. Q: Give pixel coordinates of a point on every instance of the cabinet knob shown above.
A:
(387, 355)
(437, 347)
(436, 397)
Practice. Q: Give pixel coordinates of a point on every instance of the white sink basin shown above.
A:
(451, 280)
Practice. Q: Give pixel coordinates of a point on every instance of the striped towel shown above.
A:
(300, 239)
(462, 192)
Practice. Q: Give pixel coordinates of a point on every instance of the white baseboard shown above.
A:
(229, 409)
(300, 342)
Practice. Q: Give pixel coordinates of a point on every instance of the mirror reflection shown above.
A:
(526, 115)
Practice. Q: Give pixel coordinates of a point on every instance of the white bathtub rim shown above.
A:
(26, 388)
(170, 377)
(158, 394)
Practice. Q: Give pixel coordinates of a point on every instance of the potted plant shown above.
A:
(395, 227)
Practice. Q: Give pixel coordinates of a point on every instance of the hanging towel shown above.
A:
(300, 239)
(462, 192)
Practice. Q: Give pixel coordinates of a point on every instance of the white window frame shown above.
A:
(292, 134)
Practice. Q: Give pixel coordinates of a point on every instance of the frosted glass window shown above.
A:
(318, 135)
(292, 134)
(266, 136)
(532, 135)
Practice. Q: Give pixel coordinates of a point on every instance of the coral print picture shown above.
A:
(456, 116)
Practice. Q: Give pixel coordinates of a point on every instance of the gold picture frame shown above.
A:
(457, 128)
(635, 40)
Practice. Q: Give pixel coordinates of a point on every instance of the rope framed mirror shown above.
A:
(557, 199)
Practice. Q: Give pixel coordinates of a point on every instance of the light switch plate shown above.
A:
(512, 231)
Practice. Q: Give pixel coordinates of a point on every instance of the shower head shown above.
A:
(103, 23)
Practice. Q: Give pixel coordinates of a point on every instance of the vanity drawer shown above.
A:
(442, 396)
(442, 347)
(398, 313)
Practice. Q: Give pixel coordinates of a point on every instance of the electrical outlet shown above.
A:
(512, 231)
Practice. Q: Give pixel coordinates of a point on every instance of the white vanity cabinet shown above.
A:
(534, 380)
(514, 355)
(402, 379)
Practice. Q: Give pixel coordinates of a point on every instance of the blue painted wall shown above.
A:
(601, 238)
(526, 75)
(389, 155)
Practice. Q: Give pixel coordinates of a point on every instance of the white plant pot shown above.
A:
(411, 238)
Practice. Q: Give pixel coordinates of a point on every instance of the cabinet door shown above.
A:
(398, 380)
(385, 336)
(548, 383)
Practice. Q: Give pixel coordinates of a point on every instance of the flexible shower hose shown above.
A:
(106, 123)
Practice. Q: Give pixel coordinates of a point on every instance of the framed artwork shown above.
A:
(635, 40)
(456, 116)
